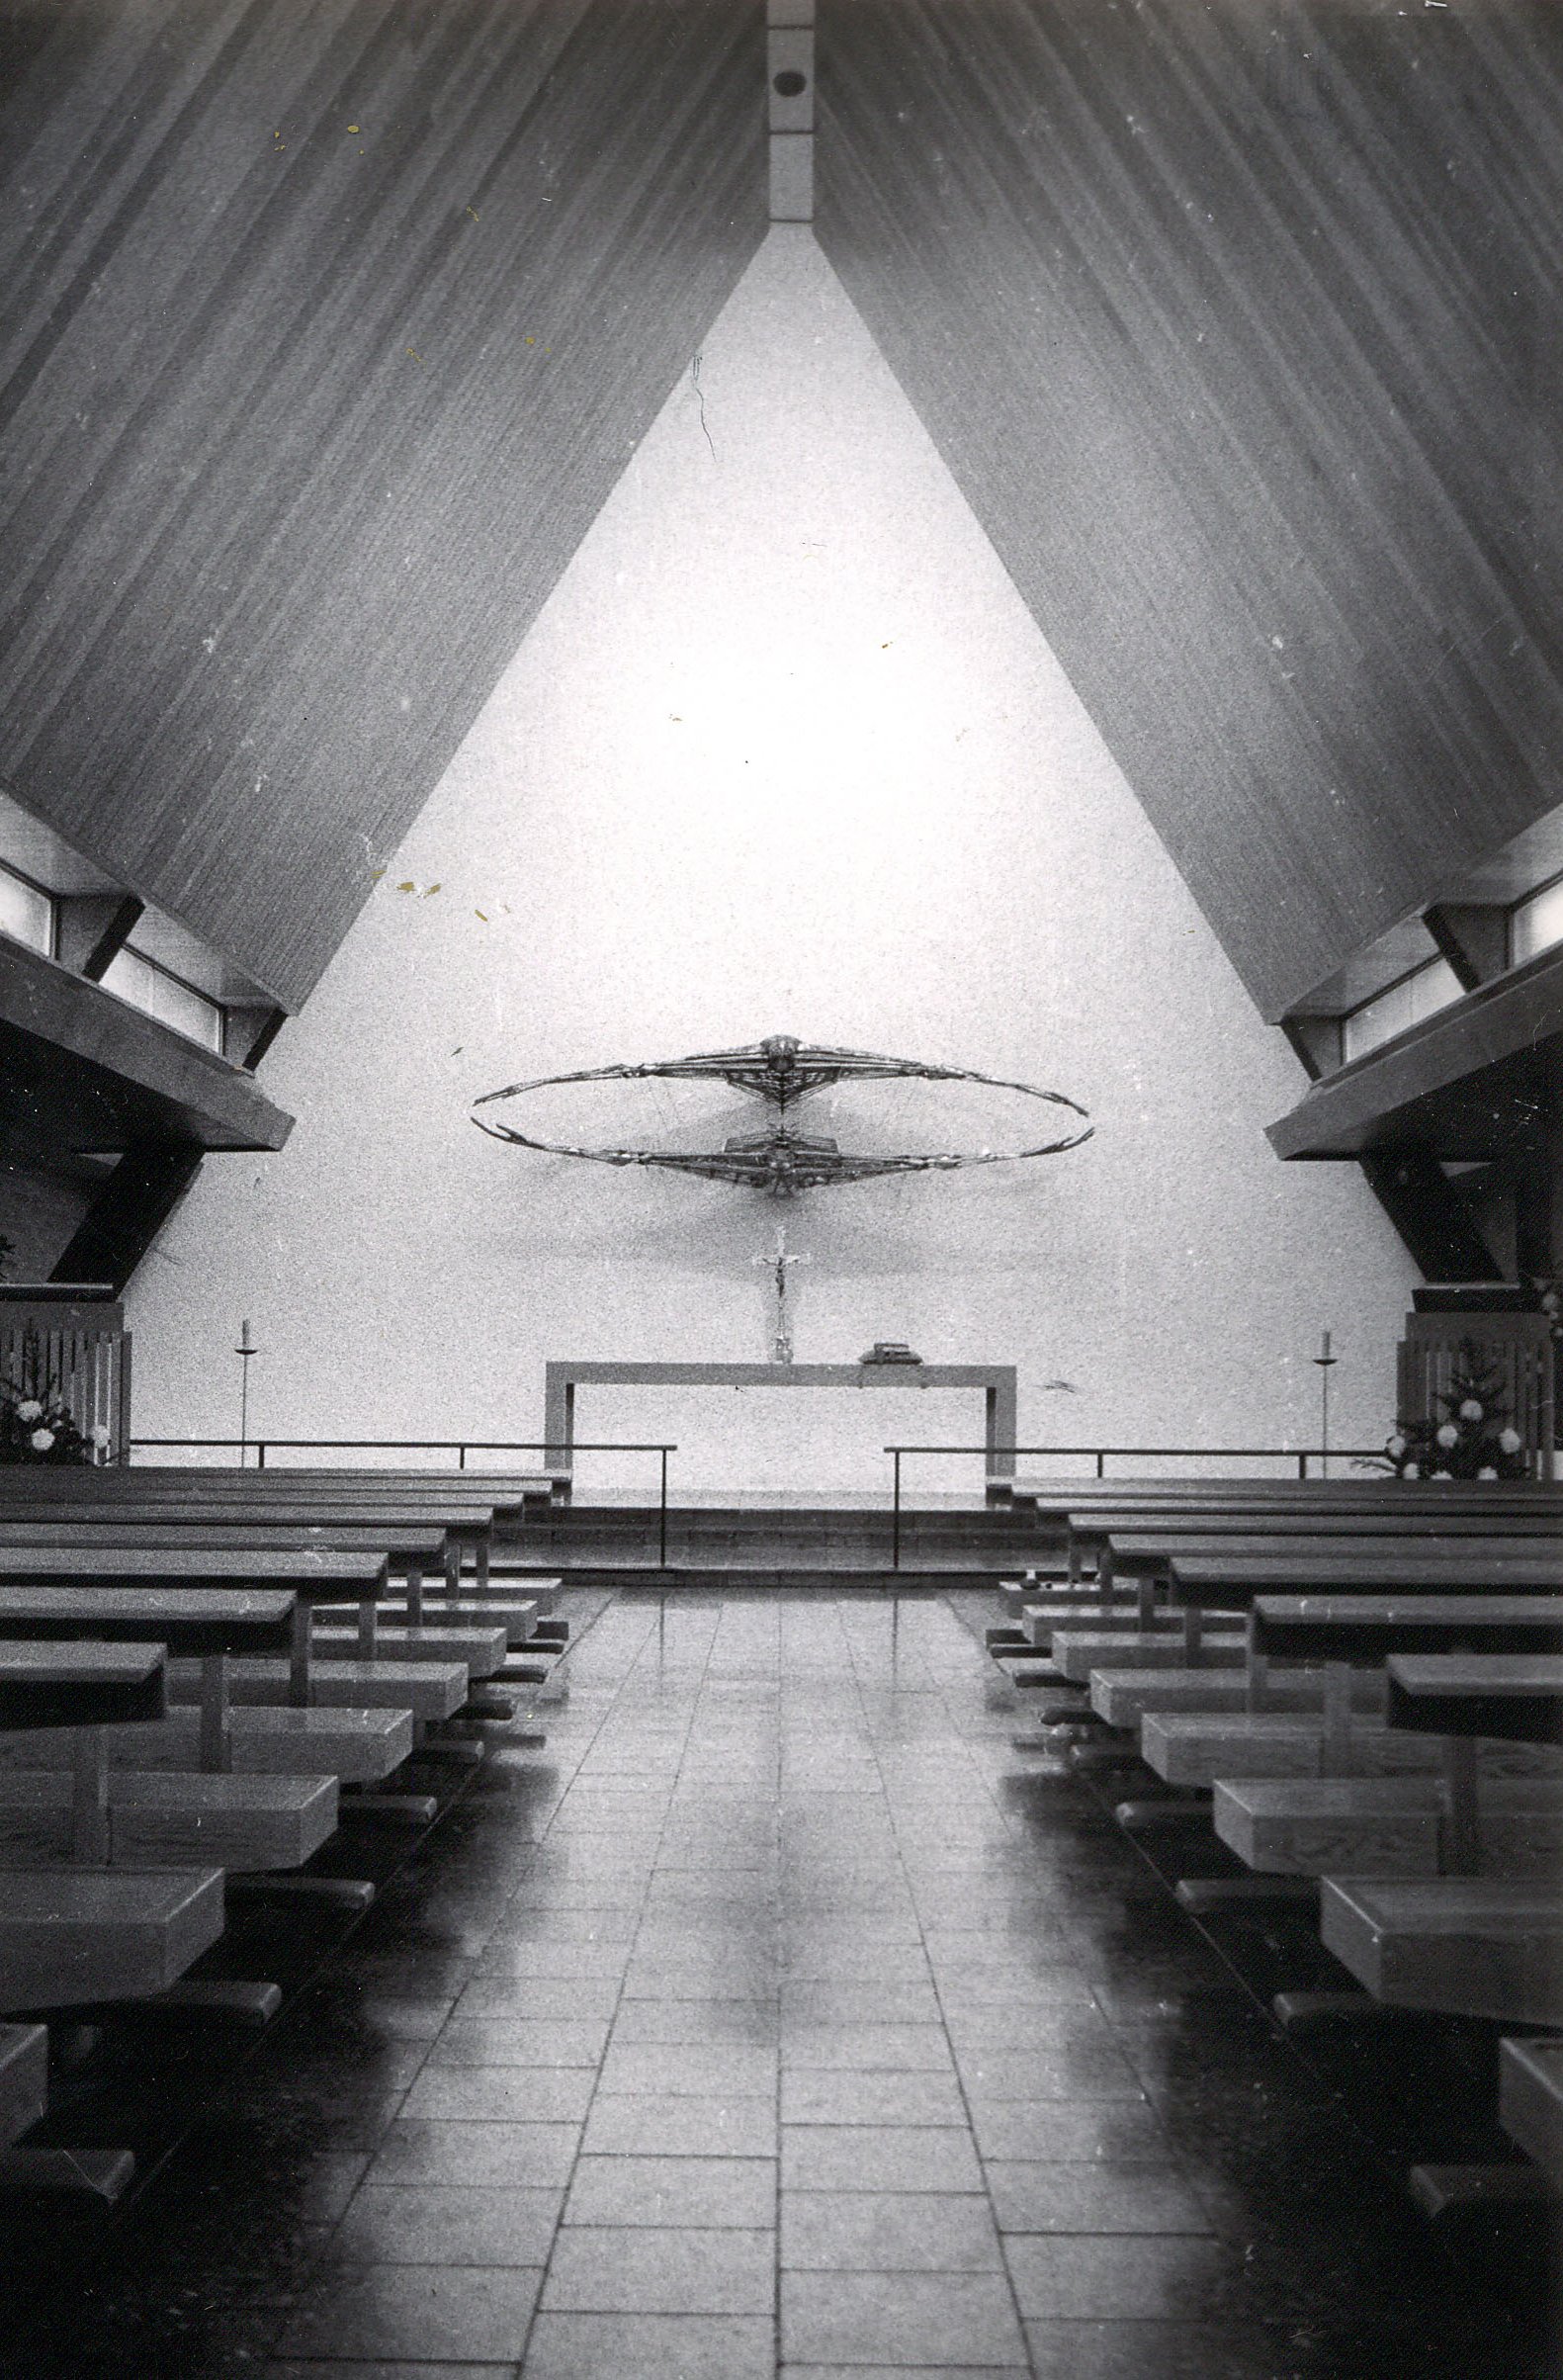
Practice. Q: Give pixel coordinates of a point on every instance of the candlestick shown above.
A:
(1325, 1363)
(244, 1350)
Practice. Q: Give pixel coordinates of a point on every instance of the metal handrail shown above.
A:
(1301, 1456)
(661, 1448)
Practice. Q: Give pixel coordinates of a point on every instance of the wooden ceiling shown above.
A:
(329, 325)
(1241, 326)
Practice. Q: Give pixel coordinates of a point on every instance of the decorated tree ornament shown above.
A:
(1470, 1437)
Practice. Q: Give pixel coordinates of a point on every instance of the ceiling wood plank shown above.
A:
(329, 328)
(1241, 328)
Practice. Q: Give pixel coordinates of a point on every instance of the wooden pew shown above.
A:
(24, 2079)
(457, 1630)
(299, 1741)
(250, 1823)
(1051, 1500)
(1464, 1944)
(1150, 1558)
(483, 1648)
(1191, 1749)
(1123, 1688)
(85, 1933)
(432, 1691)
(321, 1506)
(1468, 1946)
(465, 1522)
(1142, 1548)
(1384, 1826)
(1531, 2101)
(1517, 1697)
(78, 1935)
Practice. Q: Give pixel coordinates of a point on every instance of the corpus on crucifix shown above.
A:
(780, 1260)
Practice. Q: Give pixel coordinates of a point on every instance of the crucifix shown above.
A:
(779, 1260)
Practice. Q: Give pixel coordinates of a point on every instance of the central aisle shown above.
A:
(779, 2016)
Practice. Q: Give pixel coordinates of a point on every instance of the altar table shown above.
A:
(995, 1380)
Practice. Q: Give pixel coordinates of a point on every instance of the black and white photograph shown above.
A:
(781, 1190)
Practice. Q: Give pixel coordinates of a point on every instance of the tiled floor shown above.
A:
(781, 2018)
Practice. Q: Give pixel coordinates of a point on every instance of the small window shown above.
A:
(1395, 1011)
(152, 989)
(1536, 924)
(26, 914)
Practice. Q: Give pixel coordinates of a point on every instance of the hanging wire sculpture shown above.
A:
(782, 1159)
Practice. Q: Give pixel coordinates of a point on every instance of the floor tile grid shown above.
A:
(616, 2334)
(919, 1652)
(1030, 2259)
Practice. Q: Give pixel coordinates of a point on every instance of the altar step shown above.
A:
(756, 1544)
(816, 1578)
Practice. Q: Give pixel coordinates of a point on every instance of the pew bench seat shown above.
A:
(72, 1937)
(24, 2079)
(516, 1616)
(1119, 1617)
(1531, 2101)
(480, 1650)
(1195, 1747)
(1075, 1656)
(1458, 1945)
(1124, 1697)
(356, 1747)
(1383, 1825)
(165, 1819)
(430, 1690)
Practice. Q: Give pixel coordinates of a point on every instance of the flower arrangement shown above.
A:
(37, 1425)
(1469, 1439)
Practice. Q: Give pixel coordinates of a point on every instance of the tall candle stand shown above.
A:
(245, 1351)
(1327, 1364)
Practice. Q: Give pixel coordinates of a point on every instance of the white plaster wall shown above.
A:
(784, 752)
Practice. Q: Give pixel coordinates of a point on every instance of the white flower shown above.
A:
(1396, 1448)
(1510, 1441)
(1488, 1473)
(1412, 1471)
(1449, 1436)
(1471, 1411)
(41, 1440)
(98, 1434)
(29, 1410)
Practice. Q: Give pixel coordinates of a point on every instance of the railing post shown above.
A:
(461, 1458)
(894, 1514)
(260, 1454)
(1302, 1464)
(1101, 1462)
(662, 1511)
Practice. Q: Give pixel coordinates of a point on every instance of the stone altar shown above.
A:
(995, 1380)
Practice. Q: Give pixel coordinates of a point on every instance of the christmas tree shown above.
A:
(1471, 1436)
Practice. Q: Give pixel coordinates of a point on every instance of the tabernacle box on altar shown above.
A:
(73, 1332)
(1502, 1321)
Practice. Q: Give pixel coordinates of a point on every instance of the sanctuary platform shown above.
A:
(777, 1540)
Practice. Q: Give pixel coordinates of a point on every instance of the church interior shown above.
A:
(707, 703)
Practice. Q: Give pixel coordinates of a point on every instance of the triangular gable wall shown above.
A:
(784, 751)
